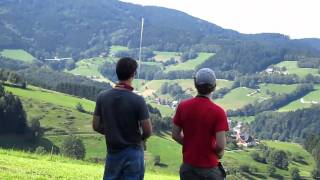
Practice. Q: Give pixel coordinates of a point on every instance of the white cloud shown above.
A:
(297, 18)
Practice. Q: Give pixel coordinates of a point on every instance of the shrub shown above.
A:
(271, 170)
(295, 173)
(73, 147)
(244, 168)
(80, 108)
(40, 150)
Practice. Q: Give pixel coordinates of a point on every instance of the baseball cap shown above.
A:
(205, 76)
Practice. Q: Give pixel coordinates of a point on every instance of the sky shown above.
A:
(296, 18)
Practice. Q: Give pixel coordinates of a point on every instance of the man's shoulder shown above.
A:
(105, 93)
(218, 108)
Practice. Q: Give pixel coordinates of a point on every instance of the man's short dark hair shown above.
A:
(204, 89)
(126, 68)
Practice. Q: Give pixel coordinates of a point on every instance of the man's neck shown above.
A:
(205, 95)
(127, 82)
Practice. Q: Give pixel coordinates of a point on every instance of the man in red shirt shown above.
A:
(200, 126)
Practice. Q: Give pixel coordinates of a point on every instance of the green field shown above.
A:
(42, 103)
(295, 149)
(292, 68)
(278, 88)
(239, 97)
(21, 165)
(308, 100)
(17, 54)
(165, 111)
(162, 56)
(90, 68)
(186, 84)
(190, 64)
(52, 97)
(115, 49)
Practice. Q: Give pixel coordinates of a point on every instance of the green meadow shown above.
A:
(304, 102)
(52, 97)
(59, 118)
(186, 84)
(278, 88)
(23, 165)
(17, 54)
(190, 64)
(239, 97)
(115, 49)
(163, 56)
(292, 68)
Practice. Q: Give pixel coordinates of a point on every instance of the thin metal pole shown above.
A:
(141, 35)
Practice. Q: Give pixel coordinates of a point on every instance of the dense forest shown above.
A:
(13, 118)
(287, 126)
(312, 145)
(81, 29)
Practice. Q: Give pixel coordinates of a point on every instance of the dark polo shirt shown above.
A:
(121, 112)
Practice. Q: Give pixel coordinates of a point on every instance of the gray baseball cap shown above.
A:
(205, 76)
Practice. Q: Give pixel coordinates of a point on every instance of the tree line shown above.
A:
(63, 82)
(273, 103)
(13, 78)
(287, 126)
(312, 145)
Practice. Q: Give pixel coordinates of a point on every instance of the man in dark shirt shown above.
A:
(122, 116)
(199, 126)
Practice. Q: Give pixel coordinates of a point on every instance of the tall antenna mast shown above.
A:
(141, 35)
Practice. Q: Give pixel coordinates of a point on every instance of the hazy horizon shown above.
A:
(294, 18)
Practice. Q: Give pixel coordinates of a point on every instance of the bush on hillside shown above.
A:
(295, 173)
(244, 168)
(79, 107)
(40, 150)
(73, 147)
(271, 171)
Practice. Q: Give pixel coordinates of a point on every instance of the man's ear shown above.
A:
(214, 87)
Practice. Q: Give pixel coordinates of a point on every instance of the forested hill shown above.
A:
(72, 26)
(83, 29)
(77, 25)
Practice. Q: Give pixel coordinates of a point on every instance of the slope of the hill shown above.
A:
(21, 165)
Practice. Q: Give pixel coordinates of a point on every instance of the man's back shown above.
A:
(121, 112)
(200, 119)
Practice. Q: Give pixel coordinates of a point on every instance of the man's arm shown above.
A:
(220, 143)
(146, 129)
(96, 125)
(177, 134)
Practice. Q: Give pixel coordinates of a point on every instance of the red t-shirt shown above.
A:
(200, 119)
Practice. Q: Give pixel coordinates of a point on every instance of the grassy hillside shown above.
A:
(115, 49)
(278, 88)
(240, 97)
(60, 118)
(295, 149)
(190, 64)
(17, 54)
(292, 68)
(161, 56)
(304, 102)
(21, 165)
(90, 67)
(51, 97)
(186, 84)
